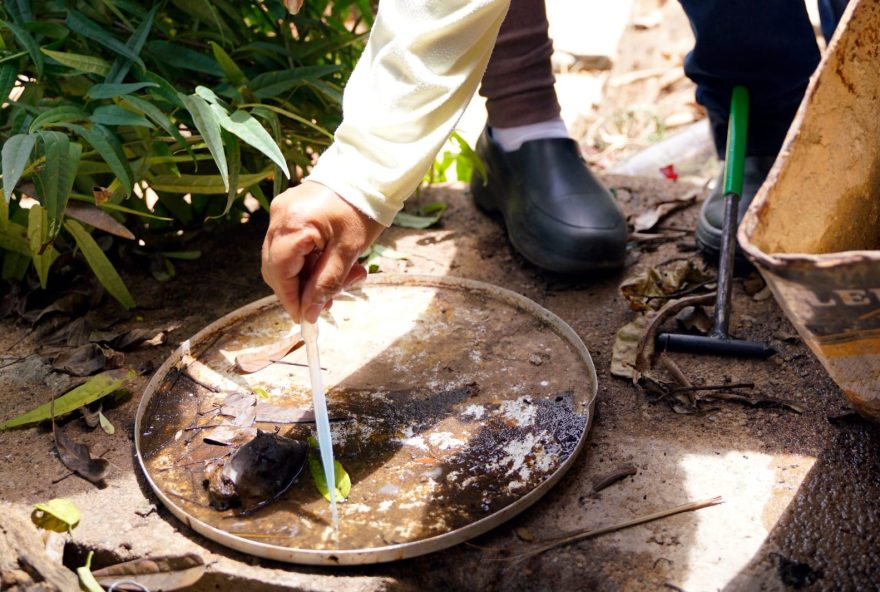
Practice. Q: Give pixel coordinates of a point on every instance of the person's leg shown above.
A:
(557, 214)
(768, 46)
(830, 12)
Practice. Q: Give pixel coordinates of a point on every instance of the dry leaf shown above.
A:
(655, 286)
(647, 220)
(84, 360)
(78, 459)
(524, 534)
(98, 218)
(269, 413)
(153, 573)
(101, 194)
(260, 358)
(626, 346)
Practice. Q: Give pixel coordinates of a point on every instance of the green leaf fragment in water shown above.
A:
(343, 481)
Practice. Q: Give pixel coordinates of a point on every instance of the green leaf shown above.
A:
(95, 388)
(183, 255)
(105, 423)
(82, 63)
(343, 480)
(202, 184)
(233, 156)
(28, 44)
(82, 25)
(429, 215)
(109, 91)
(116, 115)
(135, 43)
(8, 75)
(43, 254)
(64, 113)
(252, 133)
(271, 84)
(183, 57)
(13, 237)
(208, 125)
(160, 119)
(263, 394)
(227, 64)
(60, 515)
(105, 143)
(15, 155)
(53, 174)
(101, 266)
(86, 580)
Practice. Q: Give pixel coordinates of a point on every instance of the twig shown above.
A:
(668, 309)
(711, 387)
(674, 370)
(608, 479)
(586, 534)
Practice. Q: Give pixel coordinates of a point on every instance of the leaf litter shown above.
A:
(658, 294)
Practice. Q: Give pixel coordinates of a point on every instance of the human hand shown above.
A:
(311, 248)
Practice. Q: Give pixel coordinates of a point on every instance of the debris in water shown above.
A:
(258, 473)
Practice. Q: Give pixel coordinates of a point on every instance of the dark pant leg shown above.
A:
(518, 83)
(830, 12)
(768, 46)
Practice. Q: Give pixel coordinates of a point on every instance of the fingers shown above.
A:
(328, 277)
(284, 256)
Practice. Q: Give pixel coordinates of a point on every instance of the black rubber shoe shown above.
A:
(557, 214)
(711, 218)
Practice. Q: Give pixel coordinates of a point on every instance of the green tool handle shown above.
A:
(735, 154)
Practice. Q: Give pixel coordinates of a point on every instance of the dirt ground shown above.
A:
(801, 490)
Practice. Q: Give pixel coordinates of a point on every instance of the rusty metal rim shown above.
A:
(390, 552)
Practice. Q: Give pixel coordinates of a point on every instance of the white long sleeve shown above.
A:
(419, 70)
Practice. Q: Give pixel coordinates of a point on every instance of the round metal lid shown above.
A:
(455, 405)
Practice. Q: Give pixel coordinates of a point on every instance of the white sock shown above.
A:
(512, 138)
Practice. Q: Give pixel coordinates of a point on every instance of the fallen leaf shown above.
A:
(74, 334)
(77, 458)
(229, 435)
(261, 393)
(258, 359)
(98, 218)
(236, 403)
(105, 423)
(84, 360)
(653, 287)
(647, 220)
(524, 534)
(626, 345)
(86, 579)
(316, 468)
(600, 482)
(128, 340)
(58, 515)
(694, 319)
(371, 257)
(95, 388)
(269, 413)
(153, 573)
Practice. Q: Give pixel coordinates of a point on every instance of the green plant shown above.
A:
(142, 119)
